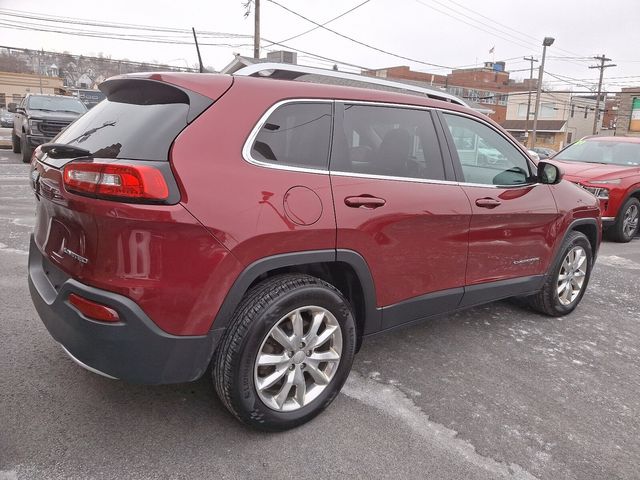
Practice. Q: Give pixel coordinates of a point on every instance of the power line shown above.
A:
(386, 52)
(327, 22)
(491, 32)
(129, 26)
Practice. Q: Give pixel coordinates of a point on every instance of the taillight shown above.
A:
(93, 310)
(133, 182)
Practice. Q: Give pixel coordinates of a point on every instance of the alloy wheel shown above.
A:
(571, 277)
(630, 221)
(298, 358)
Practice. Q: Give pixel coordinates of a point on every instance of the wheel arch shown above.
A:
(589, 227)
(633, 193)
(344, 269)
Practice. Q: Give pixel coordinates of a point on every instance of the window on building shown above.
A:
(486, 157)
(388, 141)
(547, 110)
(522, 110)
(296, 134)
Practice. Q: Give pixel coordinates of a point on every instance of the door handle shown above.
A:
(364, 201)
(487, 202)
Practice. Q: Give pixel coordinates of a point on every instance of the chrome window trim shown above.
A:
(246, 149)
(248, 144)
(373, 176)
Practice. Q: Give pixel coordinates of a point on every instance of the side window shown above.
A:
(486, 156)
(296, 134)
(390, 141)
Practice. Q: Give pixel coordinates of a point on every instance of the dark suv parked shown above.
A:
(39, 118)
(265, 227)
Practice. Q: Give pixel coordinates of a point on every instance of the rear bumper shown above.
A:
(135, 349)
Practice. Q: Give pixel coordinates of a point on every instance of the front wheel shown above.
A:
(287, 352)
(15, 143)
(567, 280)
(627, 223)
(26, 151)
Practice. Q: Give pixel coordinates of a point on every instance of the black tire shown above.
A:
(262, 307)
(547, 300)
(26, 151)
(617, 232)
(15, 143)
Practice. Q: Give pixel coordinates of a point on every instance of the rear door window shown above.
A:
(295, 134)
(388, 141)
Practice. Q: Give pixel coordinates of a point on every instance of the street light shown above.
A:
(547, 42)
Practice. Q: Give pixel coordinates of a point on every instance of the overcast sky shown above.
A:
(442, 32)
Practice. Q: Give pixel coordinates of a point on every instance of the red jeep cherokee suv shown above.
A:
(265, 227)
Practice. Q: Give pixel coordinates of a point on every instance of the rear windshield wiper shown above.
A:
(62, 150)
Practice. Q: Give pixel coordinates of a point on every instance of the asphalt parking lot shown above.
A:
(493, 392)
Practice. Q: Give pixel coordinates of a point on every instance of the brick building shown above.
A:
(488, 85)
(628, 121)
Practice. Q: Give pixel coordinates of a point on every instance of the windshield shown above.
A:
(600, 151)
(56, 104)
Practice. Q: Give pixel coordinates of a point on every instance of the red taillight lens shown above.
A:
(93, 310)
(135, 182)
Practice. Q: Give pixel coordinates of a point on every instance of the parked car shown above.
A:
(38, 118)
(6, 119)
(608, 167)
(266, 227)
(543, 152)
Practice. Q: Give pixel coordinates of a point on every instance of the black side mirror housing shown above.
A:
(12, 107)
(549, 174)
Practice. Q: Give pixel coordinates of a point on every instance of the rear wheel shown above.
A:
(15, 143)
(287, 352)
(627, 223)
(567, 281)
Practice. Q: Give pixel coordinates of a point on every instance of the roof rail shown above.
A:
(286, 71)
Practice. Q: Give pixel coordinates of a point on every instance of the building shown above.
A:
(563, 119)
(488, 85)
(14, 86)
(239, 61)
(405, 73)
(628, 120)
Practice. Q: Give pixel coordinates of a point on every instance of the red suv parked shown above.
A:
(265, 227)
(608, 167)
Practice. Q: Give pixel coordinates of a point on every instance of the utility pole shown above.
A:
(601, 67)
(40, 68)
(547, 42)
(526, 122)
(256, 30)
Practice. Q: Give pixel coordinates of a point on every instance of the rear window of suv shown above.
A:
(138, 121)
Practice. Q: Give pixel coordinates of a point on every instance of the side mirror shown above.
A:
(549, 174)
(12, 107)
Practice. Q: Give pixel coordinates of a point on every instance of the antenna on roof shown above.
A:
(195, 38)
